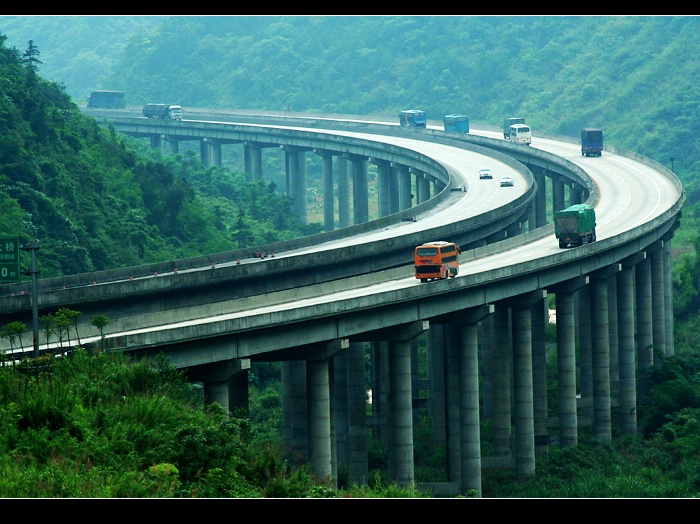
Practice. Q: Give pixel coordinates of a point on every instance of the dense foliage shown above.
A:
(98, 427)
(96, 200)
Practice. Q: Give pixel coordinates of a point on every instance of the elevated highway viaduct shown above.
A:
(483, 329)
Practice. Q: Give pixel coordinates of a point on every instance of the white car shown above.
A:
(485, 173)
(507, 181)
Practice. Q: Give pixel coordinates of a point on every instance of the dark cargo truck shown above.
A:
(591, 141)
(107, 99)
(575, 225)
(510, 122)
(163, 111)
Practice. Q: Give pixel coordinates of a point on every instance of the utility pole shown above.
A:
(34, 272)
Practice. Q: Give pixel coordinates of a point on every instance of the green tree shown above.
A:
(100, 321)
(12, 331)
(48, 323)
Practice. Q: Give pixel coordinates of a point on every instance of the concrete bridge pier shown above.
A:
(400, 397)
(523, 392)
(405, 188)
(643, 307)
(658, 300)
(540, 198)
(566, 359)
(328, 193)
(383, 186)
(422, 187)
(295, 164)
(358, 467)
(318, 380)
(252, 158)
(558, 200)
(501, 364)
(600, 339)
(394, 189)
(627, 360)
(360, 189)
(225, 383)
(344, 198)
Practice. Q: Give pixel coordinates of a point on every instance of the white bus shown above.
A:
(520, 134)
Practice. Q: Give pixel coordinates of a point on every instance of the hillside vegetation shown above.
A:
(97, 426)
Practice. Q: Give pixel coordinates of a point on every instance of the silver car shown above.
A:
(485, 173)
(507, 181)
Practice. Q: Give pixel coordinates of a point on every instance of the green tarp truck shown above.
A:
(575, 225)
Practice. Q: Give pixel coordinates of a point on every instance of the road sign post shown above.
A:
(9, 260)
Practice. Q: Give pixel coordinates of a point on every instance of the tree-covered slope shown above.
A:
(94, 201)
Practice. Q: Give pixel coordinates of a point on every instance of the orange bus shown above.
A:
(436, 260)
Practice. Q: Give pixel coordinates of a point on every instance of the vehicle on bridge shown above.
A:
(436, 260)
(509, 122)
(591, 141)
(521, 134)
(413, 118)
(575, 225)
(456, 123)
(162, 111)
(107, 99)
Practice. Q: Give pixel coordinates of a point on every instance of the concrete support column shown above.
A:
(585, 405)
(383, 190)
(523, 397)
(401, 441)
(485, 360)
(436, 373)
(344, 214)
(205, 152)
(501, 355)
(613, 337)
(626, 346)
(319, 420)
(645, 351)
(566, 369)
(357, 414)
(405, 188)
(600, 333)
(540, 316)
(252, 154)
(668, 288)
(328, 198)
(576, 195)
(215, 153)
(452, 405)
(340, 408)
(469, 418)
(298, 414)
(540, 199)
(558, 194)
(658, 300)
(157, 142)
(360, 196)
(394, 191)
(225, 383)
(422, 187)
(173, 144)
(296, 180)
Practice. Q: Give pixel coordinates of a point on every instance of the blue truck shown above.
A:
(591, 141)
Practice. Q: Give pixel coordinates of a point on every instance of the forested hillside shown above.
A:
(634, 76)
(94, 201)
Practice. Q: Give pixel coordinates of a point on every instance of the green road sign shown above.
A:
(9, 260)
